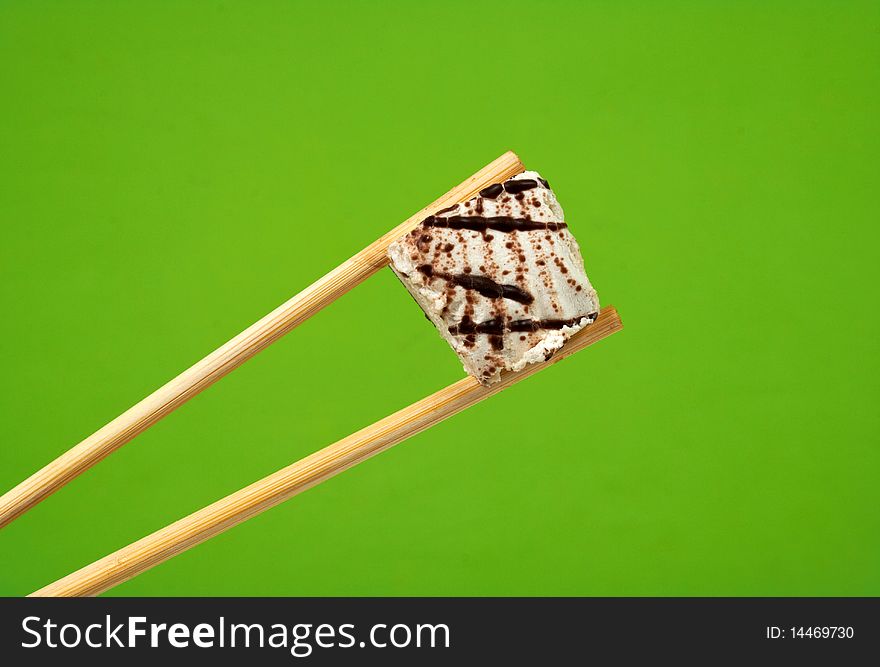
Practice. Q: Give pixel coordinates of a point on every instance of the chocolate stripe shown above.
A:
(535, 325)
(492, 191)
(496, 327)
(501, 223)
(519, 185)
(481, 284)
(467, 326)
(512, 186)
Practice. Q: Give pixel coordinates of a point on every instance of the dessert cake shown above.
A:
(500, 276)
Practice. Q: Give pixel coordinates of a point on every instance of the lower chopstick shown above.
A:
(181, 535)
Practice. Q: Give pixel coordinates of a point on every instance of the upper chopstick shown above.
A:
(153, 549)
(259, 335)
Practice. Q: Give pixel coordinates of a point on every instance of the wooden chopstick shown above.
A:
(181, 535)
(259, 335)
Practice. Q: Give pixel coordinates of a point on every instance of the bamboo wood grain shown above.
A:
(304, 474)
(259, 335)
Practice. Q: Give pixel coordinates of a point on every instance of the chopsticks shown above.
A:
(158, 547)
(226, 358)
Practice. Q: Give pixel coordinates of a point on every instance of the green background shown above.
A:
(173, 171)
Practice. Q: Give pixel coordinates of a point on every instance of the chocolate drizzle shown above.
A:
(535, 325)
(496, 327)
(501, 223)
(483, 285)
(512, 186)
(519, 185)
(491, 192)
